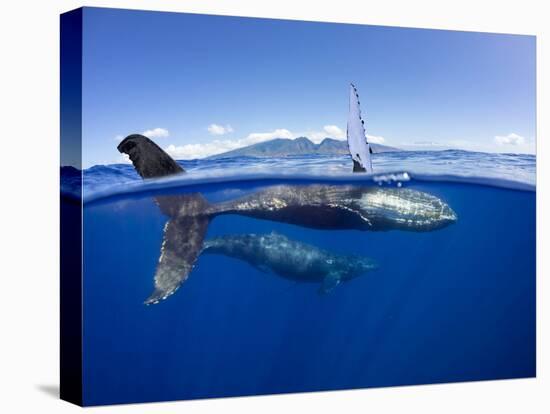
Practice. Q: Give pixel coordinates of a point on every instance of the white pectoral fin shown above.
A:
(359, 148)
(330, 282)
(181, 245)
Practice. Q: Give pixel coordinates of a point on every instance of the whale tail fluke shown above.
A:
(185, 230)
(149, 160)
(181, 246)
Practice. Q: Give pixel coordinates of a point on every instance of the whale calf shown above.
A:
(319, 206)
(291, 259)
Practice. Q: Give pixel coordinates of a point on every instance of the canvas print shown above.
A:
(260, 206)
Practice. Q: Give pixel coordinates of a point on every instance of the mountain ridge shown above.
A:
(283, 147)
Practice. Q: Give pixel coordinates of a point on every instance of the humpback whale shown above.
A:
(352, 207)
(291, 259)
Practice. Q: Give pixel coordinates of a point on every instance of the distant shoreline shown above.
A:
(280, 147)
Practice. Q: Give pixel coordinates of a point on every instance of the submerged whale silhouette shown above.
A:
(291, 259)
(317, 206)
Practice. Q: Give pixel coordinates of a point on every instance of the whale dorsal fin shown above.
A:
(359, 148)
(149, 160)
(181, 245)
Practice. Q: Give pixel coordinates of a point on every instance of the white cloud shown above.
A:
(218, 146)
(510, 139)
(328, 131)
(216, 129)
(156, 133)
(374, 139)
(314, 136)
(192, 151)
(333, 131)
(256, 137)
(124, 159)
(150, 133)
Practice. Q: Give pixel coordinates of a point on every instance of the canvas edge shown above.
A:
(71, 208)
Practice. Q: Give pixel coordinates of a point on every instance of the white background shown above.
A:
(29, 157)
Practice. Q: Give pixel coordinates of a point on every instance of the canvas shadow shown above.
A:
(51, 390)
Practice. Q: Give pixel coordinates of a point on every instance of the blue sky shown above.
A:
(200, 85)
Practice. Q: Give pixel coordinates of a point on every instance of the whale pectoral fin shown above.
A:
(182, 244)
(329, 282)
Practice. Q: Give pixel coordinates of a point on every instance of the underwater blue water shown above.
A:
(455, 304)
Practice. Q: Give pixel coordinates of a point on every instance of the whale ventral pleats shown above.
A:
(149, 160)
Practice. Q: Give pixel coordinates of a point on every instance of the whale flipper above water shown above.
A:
(181, 245)
(149, 159)
(360, 150)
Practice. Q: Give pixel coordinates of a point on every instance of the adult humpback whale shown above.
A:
(291, 259)
(316, 206)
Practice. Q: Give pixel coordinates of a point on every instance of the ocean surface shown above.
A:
(453, 304)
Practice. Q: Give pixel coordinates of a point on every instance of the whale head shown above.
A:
(406, 209)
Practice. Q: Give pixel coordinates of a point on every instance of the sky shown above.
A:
(201, 84)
